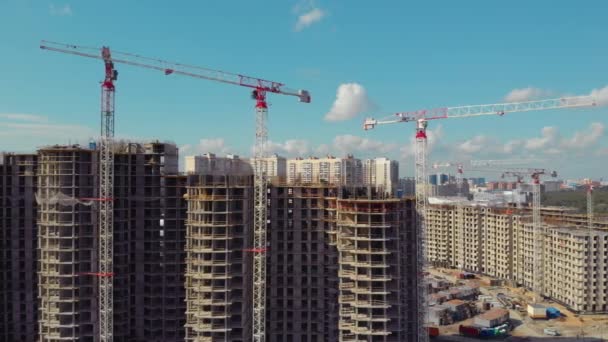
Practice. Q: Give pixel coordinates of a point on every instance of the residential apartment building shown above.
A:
(182, 251)
(149, 242)
(381, 173)
(330, 170)
(50, 198)
(275, 167)
(218, 277)
(210, 163)
(376, 241)
(302, 287)
(67, 241)
(500, 242)
(18, 241)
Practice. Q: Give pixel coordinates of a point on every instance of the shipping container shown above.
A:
(433, 331)
(537, 311)
(469, 331)
(553, 312)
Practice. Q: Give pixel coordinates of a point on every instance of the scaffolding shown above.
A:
(376, 256)
(218, 271)
(66, 244)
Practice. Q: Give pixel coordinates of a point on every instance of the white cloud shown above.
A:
(351, 100)
(549, 137)
(291, 147)
(322, 150)
(600, 95)
(60, 11)
(347, 143)
(310, 17)
(525, 94)
(512, 146)
(473, 145)
(26, 132)
(602, 152)
(24, 117)
(585, 138)
(550, 141)
(212, 145)
(532, 93)
(185, 149)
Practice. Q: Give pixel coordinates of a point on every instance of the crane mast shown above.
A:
(590, 239)
(421, 117)
(260, 218)
(537, 239)
(421, 203)
(106, 203)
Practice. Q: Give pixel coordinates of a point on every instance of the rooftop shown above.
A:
(494, 314)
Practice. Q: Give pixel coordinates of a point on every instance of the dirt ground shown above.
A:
(571, 326)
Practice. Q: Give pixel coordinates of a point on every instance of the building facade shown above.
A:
(381, 173)
(499, 242)
(376, 242)
(18, 242)
(329, 170)
(302, 287)
(219, 233)
(51, 199)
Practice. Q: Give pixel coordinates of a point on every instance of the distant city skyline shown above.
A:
(356, 61)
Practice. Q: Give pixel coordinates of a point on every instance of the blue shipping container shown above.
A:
(486, 333)
(553, 312)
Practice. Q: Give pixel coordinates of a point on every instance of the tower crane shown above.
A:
(590, 236)
(590, 189)
(421, 119)
(259, 88)
(537, 227)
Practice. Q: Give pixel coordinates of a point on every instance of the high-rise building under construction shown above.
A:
(218, 246)
(18, 291)
(49, 245)
(341, 259)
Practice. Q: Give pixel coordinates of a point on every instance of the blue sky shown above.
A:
(380, 57)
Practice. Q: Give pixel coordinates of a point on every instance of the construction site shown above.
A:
(341, 260)
(111, 241)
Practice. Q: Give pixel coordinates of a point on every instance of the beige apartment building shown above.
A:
(331, 170)
(499, 242)
(381, 173)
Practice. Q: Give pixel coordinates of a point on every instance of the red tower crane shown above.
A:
(259, 89)
(421, 118)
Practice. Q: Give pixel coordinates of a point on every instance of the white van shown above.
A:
(551, 332)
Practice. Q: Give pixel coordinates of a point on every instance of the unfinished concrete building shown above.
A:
(149, 241)
(574, 271)
(18, 281)
(218, 265)
(67, 244)
(302, 285)
(376, 241)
